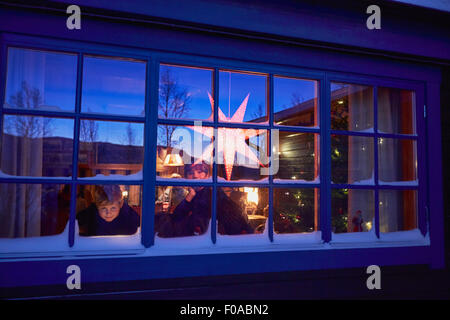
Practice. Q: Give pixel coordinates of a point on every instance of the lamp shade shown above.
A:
(173, 160)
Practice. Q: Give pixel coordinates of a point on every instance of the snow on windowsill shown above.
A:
(400, 236)
(8, 176)
(411, 183)
(359, 237)
(261, 181)
(158, 178)
(298, 238)
(52, 244)
(298, 181)
(130, 177)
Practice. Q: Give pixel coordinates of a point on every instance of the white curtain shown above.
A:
(360, 152)
(22, 146)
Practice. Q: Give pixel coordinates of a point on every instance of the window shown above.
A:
(236, 157)
(373, 159)
(247, 145)
(75, 158)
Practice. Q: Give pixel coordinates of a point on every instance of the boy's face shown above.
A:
(109, 211)
(198, 174)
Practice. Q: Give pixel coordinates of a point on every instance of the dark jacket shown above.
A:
(91, 224)
(190, 218)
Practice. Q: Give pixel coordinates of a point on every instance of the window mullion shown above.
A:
(215, 156)
(325, 159)
(375, 154)
(76, 135)
(270, 100)
(150, 145)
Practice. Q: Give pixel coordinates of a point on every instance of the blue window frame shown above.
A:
(324, 131)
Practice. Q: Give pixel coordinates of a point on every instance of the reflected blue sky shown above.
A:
(289, 91)
(116, 132)
(54, 127)
(52, 75)
(112, 86)
(234, 87)
(196, 82)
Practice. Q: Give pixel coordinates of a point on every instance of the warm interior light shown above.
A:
(252, 195)
(125, 194)
(173, 160)
(341, 101)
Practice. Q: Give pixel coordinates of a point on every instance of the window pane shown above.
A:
(40, 80)
(298, 155)
(397, 160)
(33, 210)
(107, 210)
(113, 86)
(111, 148)
(180, 150)
(295, 102)
(185, 93)
(242, 153)
(352, 159)
(398, 210)
(242, 97)
(396, 111)
(182, 211)
(36, 146)
(296, 210)
(351, 107)
(352, 210)
(242, 210)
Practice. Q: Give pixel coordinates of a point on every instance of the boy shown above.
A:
(108, 214)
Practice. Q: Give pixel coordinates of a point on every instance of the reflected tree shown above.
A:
(174, 103)
(28, 126)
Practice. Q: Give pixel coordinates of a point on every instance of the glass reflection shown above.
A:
(351, 107)
(242, 97)
(33, 210)
(296, 210)
(40, 80)
(241, 154)
(183, 211)
(113, 86)
(396, 111)
(185, 93)
(298, 155)
(180, 147)
(242, 210)
(397, 160)
(36, 146)
(111, 148)
(108, 210)
(352, 210)
(352, 159)
(295, 102)
(398, 210)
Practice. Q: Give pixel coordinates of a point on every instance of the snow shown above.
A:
(47, 244)
(411, 183)
(107, 243)
(293, 181)
(410, 235)
(262, 181)
(368, 236)
(370, 181)
(202, 244)
(243, 240)
(130, 177)
(368, 130)
(182, 243)
(158, 178)
(298, 238)
(4, 175)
